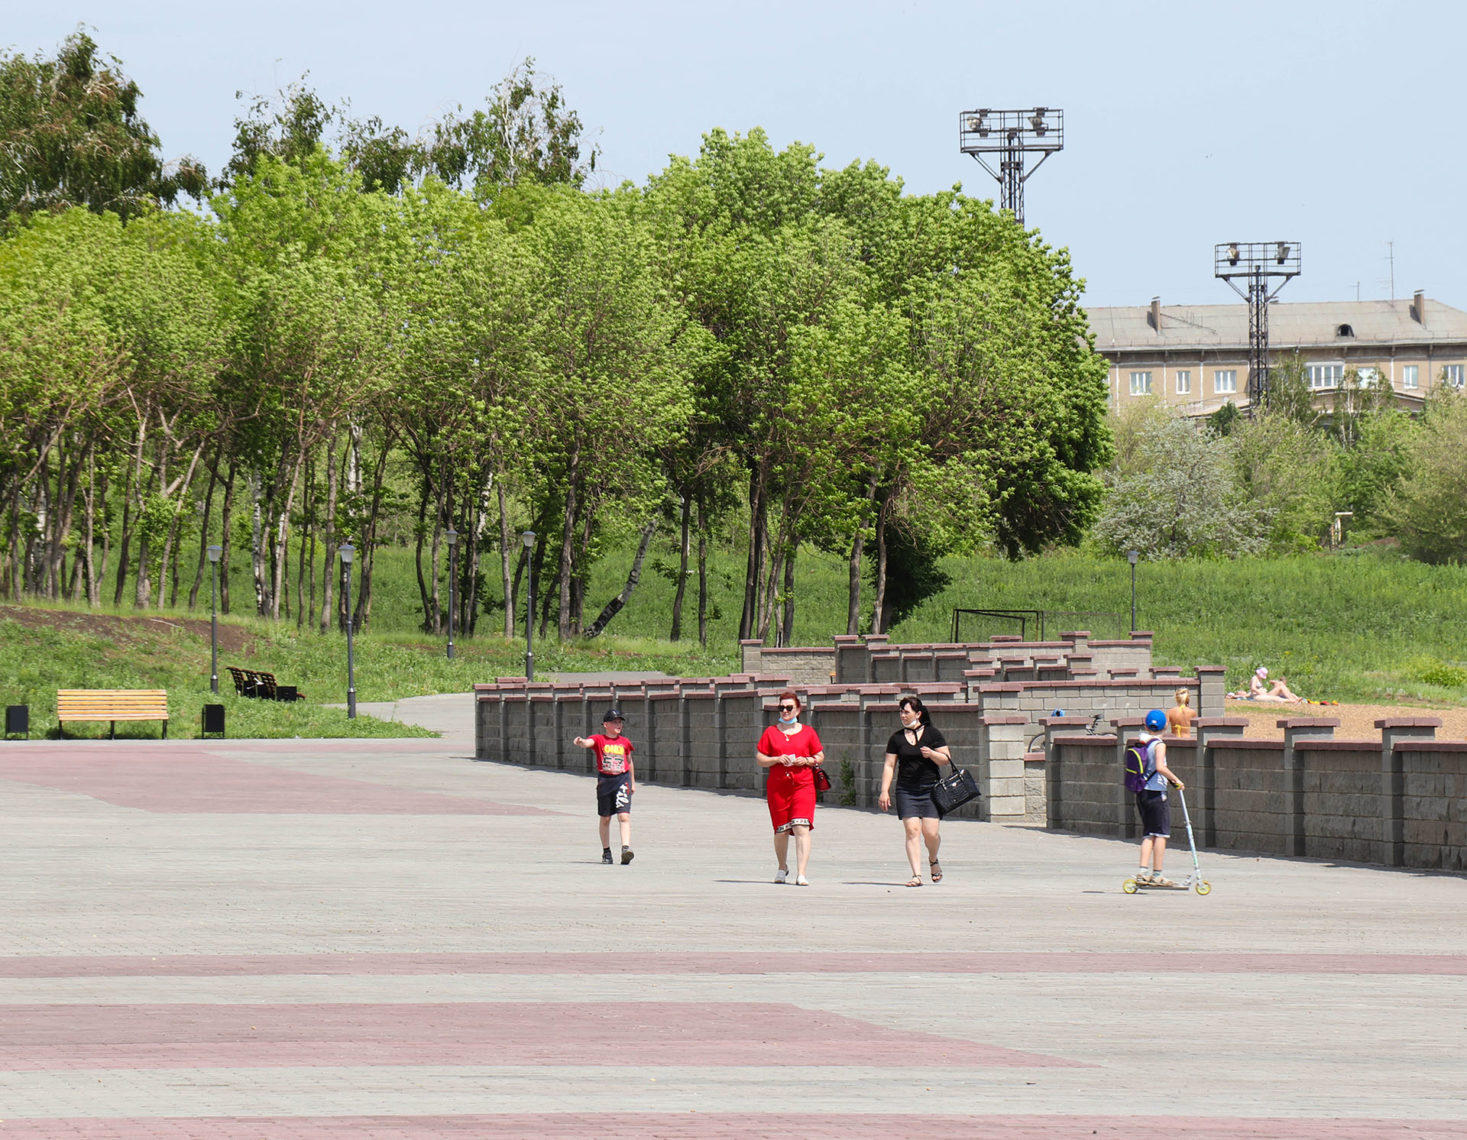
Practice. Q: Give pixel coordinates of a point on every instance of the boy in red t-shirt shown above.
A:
(616, 781)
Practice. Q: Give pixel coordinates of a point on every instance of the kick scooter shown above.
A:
(1194, 881)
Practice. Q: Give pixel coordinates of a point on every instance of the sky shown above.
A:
(1338, 124)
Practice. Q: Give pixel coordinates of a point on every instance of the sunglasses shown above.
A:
(788, 708)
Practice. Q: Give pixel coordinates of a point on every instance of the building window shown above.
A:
(1140, 383)
(1324, 375)
(1224, 380)
(1369, 377)
(1410, 376)
(1184, 383)
(1452, 375)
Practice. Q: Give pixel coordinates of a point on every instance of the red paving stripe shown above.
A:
(615, 1125)
(198, 782)
(186, 1036)
(699, 962)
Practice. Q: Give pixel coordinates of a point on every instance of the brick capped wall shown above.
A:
(1399, 801)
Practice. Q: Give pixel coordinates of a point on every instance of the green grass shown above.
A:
(75, 649)
(1365, 625)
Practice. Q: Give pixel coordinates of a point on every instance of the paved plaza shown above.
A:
(224, 939)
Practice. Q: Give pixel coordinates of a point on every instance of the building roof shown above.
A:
(1305, 325)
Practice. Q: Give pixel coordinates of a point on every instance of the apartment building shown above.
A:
(1196, 356)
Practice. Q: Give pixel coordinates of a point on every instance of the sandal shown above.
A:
(915, 881)
(936, 870)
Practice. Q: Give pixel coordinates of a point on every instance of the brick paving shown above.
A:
(390, 939)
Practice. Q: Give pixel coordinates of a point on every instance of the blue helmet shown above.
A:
(1155, 720)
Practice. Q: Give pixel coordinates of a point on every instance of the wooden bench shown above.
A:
(272, 690)
(111, 705)
(244, 680)
(253, 683)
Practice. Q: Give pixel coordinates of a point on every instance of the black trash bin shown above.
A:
(213, 719)
(18, 720)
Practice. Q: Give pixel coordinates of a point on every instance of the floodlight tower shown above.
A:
(1258, 263)
(1010, 135)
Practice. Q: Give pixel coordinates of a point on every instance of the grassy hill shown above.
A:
(1360, 626)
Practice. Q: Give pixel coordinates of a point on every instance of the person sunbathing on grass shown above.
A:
(1260, 689)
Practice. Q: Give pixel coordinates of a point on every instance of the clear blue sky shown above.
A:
(1336, 124)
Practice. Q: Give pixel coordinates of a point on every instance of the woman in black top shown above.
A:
(913, 754)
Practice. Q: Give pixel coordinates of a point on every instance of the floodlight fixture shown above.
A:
(1009, 135)
(1256, 271)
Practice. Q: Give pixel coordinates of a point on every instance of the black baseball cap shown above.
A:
(612, 714)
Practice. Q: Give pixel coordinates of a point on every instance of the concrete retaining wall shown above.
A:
(1399, 801)
(990, 699)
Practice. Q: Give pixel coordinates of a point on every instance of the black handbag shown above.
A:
(954, 790)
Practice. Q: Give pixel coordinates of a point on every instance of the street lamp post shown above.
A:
(347, 552)
(528, 538)
(214, 552)
(452, 538)
(1131, 557)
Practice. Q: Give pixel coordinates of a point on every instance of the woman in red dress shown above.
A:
(790, 751)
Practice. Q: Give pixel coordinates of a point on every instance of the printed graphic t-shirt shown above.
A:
(613, 757)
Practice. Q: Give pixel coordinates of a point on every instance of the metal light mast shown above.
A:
(1257, 263)
(1010, 135)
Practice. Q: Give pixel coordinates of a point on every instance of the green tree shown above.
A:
(314, 341)
(1291, 471)
(1289, 394)
(71, 134)
(1175, 496)
(1428, 509)
(1377, 461)
(289, 126)
(525, 134)
(610, 390)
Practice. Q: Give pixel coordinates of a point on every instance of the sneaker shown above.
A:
(781, 876)
(606, 855)
(626, 856)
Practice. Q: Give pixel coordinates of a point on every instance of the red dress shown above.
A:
(790, 791)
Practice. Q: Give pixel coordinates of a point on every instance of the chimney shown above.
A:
(1153, 318)
(1418, 307)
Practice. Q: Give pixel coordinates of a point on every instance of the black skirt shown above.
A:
(915, 804)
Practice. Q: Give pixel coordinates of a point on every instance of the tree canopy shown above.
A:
(72, 134)
(391, 340)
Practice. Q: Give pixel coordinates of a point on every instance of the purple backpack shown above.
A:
(1139, 765)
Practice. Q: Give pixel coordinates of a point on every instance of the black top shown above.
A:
(915, 773)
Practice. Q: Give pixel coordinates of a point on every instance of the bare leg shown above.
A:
(782, 849)
(625, 820)
(1153, 852)
(802, 849)
(605, 832)
(933, 839)
(914, 845)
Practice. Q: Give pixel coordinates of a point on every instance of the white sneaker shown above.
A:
(781, 876)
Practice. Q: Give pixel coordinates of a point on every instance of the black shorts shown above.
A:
(915, 804)
(1156, 816)
(612, 797)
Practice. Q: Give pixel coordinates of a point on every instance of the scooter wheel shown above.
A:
(1204, 887)
(1129, 886)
